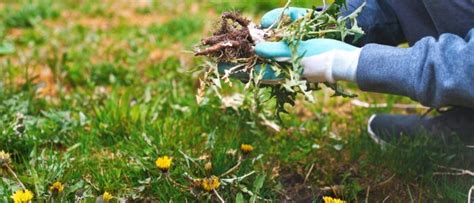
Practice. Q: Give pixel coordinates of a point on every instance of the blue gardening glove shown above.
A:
(273, 16)
(324, 60)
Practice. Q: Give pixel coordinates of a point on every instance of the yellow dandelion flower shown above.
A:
(208, 166)
(56, 187)
(4, 158)
(209, 184)
(106, 196)
(22, 196)
(163, 163)
(246, 148)
(327, 199)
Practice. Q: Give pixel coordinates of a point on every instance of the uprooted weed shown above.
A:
(231, 41)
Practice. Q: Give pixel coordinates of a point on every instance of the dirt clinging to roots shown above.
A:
(232, 40)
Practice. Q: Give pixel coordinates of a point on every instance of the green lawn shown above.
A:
(92, 93)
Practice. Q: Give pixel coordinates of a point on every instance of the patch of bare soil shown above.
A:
(15, 32)
(330, 177)
(46, 82)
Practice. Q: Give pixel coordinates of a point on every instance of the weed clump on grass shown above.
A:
(232, 44)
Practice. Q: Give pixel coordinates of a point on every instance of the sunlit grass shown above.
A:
(93, 96)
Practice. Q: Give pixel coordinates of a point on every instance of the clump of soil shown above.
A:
(232, 40)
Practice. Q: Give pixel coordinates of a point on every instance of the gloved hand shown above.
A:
(269, 75)
(324, 60)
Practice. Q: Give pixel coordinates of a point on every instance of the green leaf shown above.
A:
(339, 90)
(257, 185)
(239, 198)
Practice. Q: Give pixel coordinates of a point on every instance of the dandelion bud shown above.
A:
(246, 148)
(56, 187)
(106, 197)
(208, 166)
(4, 158)
(210, 184)
(163, 163)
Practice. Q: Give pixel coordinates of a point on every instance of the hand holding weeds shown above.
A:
(271, 18)
(293, 51)
(323, 60)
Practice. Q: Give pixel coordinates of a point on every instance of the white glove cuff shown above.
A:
(318, 68)
(344, 66)
(330, 66)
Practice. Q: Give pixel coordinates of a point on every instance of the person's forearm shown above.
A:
(435, 73)
(379, 22)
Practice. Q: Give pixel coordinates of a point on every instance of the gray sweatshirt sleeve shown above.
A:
(434, 72)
